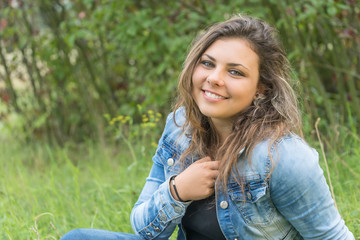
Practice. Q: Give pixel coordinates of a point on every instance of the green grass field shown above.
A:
(47, 191)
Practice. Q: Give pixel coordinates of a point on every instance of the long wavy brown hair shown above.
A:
(276, 114)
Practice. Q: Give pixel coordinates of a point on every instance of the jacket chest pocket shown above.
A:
(253, 201)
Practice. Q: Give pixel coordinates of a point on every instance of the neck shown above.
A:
(223, 128)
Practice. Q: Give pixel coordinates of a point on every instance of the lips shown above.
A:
(213, 95)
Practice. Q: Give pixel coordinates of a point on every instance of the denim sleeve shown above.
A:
(156, 213)
(299, 191)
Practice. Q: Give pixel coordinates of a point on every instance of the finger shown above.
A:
(213, 165)
(213, 175)
(209, 184)
(205, 159)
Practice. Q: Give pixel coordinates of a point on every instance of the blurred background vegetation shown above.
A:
(64, 64)
(85, 86)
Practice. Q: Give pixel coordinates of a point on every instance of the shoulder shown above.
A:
(178, 116)
(288, 154)
(292, 154)
(289, 144)
(287, 149)
(173, 141)
(295, 168)
(293, 145)
(174, 133)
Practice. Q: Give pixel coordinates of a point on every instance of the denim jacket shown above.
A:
(293, 203)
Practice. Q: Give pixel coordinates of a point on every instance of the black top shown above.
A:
(200, 221)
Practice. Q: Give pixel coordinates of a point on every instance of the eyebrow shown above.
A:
(229, 64)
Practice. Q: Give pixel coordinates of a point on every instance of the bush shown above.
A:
(82, 59)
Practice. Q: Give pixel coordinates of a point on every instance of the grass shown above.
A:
(47, 191)
(339, 157)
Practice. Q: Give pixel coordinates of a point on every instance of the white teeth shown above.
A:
(209, 94)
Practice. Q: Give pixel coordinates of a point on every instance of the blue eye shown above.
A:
(235, 72)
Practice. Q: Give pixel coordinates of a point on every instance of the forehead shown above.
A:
(233, 50)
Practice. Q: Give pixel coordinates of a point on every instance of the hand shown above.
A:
(197, 181)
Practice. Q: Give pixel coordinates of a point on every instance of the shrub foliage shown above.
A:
(64, 64)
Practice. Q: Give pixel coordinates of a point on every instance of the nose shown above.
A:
(216, 78)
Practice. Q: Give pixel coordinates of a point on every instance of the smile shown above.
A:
(213, 95)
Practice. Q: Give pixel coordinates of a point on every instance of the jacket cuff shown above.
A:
(170, 212)
(175, 209)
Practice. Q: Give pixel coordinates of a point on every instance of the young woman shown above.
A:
(229, 164)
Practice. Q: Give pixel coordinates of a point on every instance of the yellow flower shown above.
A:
(107, 116)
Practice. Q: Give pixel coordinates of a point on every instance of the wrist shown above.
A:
(174, 190)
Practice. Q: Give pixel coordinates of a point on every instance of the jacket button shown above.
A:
(177, 209)
(163, 217)
(249, 195)
(224, 204)
(170, 162)
(157, 229)
(149, 234)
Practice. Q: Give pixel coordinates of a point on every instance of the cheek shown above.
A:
(197, 76)
(245, 94)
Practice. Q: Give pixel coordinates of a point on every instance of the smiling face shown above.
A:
(225, 79)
